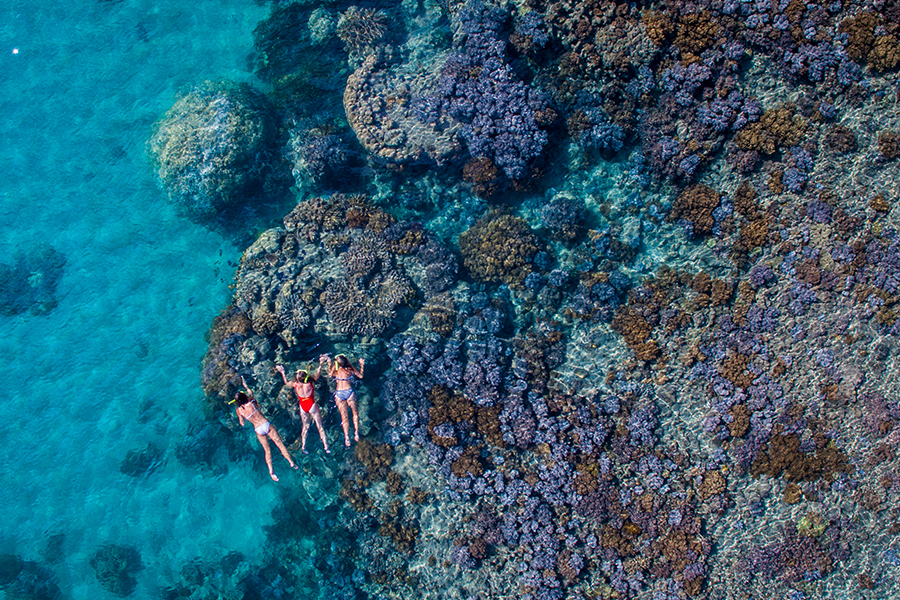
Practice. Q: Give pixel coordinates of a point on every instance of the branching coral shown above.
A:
(361, 28)
(366, 310)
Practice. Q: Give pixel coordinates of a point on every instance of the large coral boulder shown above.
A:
(215, 148)
(384, 108)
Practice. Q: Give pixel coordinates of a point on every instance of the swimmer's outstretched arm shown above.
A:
(359, 372)
(246, 387)
(280, 369)
(331, 369)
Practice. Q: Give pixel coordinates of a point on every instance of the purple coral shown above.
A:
(501, 115)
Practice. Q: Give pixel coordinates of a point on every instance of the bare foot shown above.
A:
(356, 437)
(304, 450)
(327, 451)
(347, 442)
(294, 467)
(274, 478)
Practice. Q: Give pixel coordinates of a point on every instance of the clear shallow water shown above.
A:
(138, 291)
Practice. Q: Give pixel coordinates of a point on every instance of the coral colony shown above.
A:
(626, 276)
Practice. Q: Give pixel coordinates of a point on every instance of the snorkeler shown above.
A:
(248, 409)
(303, 386)
(342, 370)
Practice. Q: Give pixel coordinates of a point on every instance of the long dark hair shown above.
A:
(242, 398)
(342, 362)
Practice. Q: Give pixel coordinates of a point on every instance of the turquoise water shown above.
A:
(115, 367)
(83, 83)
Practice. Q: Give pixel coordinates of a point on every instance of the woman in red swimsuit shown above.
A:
(303, 386)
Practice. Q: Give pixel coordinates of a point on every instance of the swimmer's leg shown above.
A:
(317, 417)
(352, 402)
(304, 416)
(264, 442)
(345, 421)
(273, 433)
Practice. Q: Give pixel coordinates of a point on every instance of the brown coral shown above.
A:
(740, 420)
(696, 204)
(447, 407)
(712, 483)
(636, 331)
(840, 140)
(881, 52)
(441, 311)
(779, 127)
(487, 423)
(485, 177)
(402, 534)
(860, 30)
(395, 483)
(469, 463)
(889, 144)
(885, 54)
(377, 104)
(783, 457)
(695, 32)
(499, 248)
(376, 458)
(734, 369)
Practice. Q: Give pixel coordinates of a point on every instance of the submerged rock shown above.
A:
(29, 285)
(215, 149)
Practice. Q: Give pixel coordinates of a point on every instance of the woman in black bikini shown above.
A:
(303, 386)
(342, 370)
(249, 409)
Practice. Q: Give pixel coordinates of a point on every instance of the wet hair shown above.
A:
(342, 361)
(242, 398)
(305, 376)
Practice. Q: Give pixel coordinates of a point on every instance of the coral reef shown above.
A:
(139, 463)
(27, 579)
(29, 285)
(361, 28)
(115, 567)
(662, 376)
(503, 119)
(382, 108)
(216, 148)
